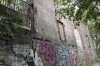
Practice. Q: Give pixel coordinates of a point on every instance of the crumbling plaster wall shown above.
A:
(50, 50)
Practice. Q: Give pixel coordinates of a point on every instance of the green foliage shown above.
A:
(86, 11)
(76, 8)
(82, 10)
(14, 4)
(98, 60)
(8, 24)
(90, 64)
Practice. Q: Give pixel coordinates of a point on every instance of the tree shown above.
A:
(89, 9)
(86, 11)
(8, 21)
(8, 24)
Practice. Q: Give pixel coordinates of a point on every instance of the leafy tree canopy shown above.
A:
(81, 10)
(8, 24)
(86, 11)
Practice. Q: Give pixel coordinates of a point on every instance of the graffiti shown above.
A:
(37, 60)
(64, 55)
(93, 55)
(81, 60)
(86, 55)
(73, 56)
(68, 56)
(50, 55)
(30, 60)
(89, 55)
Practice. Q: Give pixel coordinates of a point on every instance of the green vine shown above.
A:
(8, 24)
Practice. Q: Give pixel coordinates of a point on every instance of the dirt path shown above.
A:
(97, 64)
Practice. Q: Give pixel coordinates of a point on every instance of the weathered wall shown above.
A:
(13, 52)
(47, 28)
(45, 22)
(50, 50)
(89, 50)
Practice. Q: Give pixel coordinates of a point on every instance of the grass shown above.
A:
(99, 56)
(93, 63)
(97, 60)
(90, 64)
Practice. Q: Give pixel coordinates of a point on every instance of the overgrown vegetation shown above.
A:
(13, 4)
(93, 63)
(90, 64)
(86, 11)
(98, 60)
(8, 24)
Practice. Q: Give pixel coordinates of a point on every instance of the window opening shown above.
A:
(87, 38)
(61, 31)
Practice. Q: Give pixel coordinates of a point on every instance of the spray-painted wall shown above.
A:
(89, 52)
(74, 51)
(48, 48)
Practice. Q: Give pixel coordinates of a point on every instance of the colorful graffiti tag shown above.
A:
(50, 55)
(81, 59)
(68, 56)
(73, 56)
(93, 55)
(64, 55)
(86, 56)
(89, 55)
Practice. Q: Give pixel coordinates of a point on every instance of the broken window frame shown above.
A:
(59, 31)
(87, 38)
(28, 17)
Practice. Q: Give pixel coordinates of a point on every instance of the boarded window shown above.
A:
(31, 17)
(31, 14)
(61, 31)
(88, 42)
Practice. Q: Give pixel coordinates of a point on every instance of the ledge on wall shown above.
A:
(25, 27)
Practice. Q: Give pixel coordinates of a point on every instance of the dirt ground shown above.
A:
(97, 64)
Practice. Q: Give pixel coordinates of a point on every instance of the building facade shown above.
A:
(54, 41)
